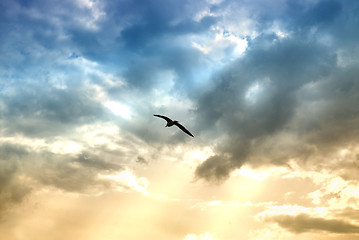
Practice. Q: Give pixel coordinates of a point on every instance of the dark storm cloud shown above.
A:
(304, 223)
(279, 72)
(302, 91)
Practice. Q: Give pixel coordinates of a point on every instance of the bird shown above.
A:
(171, 122)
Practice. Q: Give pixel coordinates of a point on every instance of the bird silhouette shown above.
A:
(171, 122)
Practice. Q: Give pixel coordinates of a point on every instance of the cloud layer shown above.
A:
(270, 91)
(304, 223)
(287, 97)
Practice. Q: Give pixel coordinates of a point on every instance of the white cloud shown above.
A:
(216, 44)
(125, 180)
(202, 48)
(60, 145)
(96, 13)
(118, 109)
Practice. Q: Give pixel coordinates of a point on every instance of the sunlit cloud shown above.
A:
(268, 89)
(126, 180)
(216, 45)
(118, 109)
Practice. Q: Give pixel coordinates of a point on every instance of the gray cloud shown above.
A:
(300, 91)
(304, 223)
(216, 168)
(23, 170)
(306, 82)
(12, 189)
(347, 212)
(36, 109)
(77, 174)
(141, 160)
(279, 72)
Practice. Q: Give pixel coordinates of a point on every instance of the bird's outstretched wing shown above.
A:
(164, 117)
(183, 129)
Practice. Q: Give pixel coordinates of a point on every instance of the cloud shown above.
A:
(12, 188)
(305, 223)
(226, 108)
(305, 108)
(141, 160)
(155, 28)
(256, 83)
(303, 73)
(215, 168)
(36, 109)
(347, 212)
(24, 170)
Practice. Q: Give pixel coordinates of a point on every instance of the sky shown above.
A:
(269, 89)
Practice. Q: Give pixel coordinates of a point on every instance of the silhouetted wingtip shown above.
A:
(164, 117)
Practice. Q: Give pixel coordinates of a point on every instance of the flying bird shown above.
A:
(170, 123)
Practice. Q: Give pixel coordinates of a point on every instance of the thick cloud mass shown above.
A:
(302, 85)
(291, 94)
(293, 87)
(261, 84)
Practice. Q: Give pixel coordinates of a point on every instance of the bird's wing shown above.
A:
(164, 117)
(183, 129)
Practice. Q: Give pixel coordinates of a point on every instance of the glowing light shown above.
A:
(285, 210)
(198, 156)
(118, 109)
(282, 34)
(240, 44)
(66, 147)
(57, 145)
(344, 152)
(202, 236)
(127, 180)
(260, 174)
(249, 173)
